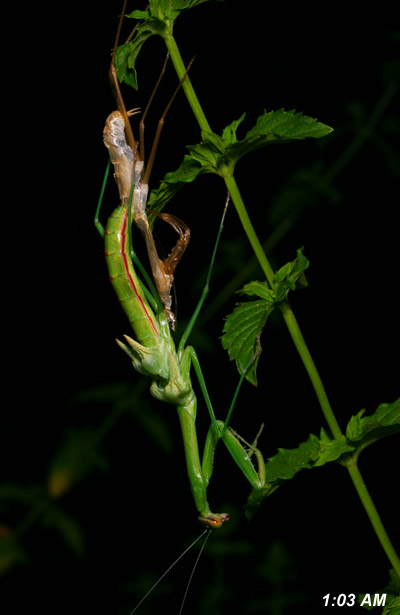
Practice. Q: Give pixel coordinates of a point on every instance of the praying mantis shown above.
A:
(153, 351)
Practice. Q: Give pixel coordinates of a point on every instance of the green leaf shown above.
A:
(392, 591)
(216, 153)
(283, 466)
(287, 462)
(290, 276)
(312, 453)
(210, 153)
(241, 335)
(392, 607)
(158, 21)
(126, 56)
(331, 450)
(243, 328)
(277, 127)
(229, 132)
(260, 289)
(170, 10)
(138, 15)
(187, 172)
(363, 430)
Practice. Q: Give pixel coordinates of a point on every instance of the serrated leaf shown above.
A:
(243, 328)
(392, 591)
(364, 430)
(283, 466)
(290, 276)
(271, 127)
(210, 153)
(126, 55)
(312, 453)
(241, 335)
(157, 21)
(229, 132)
(331, 449)
(187, 172)
(171, 9)
(392, 607)
(260, 289)
(138, 15)
(216, 154)
(287, 462)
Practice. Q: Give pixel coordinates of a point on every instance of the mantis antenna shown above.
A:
(208, 532)
(193, 570)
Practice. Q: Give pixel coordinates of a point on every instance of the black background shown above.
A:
(61, 317)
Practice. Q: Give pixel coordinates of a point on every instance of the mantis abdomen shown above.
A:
(125, 281)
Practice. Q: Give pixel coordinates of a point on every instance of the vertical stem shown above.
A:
(310, 367)
(236, 197)
(373, 514)
(289, 318)
(187, 84)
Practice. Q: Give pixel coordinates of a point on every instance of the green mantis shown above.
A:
(153, 352)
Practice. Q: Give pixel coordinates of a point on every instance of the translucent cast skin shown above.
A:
(128, 171)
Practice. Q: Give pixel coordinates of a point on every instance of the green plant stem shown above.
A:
(287, 313)
(372, 513)
(240, 207)
(311, 369)
(186, 84)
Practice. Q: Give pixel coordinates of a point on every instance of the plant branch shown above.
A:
(186, 83)
(372, 513)
(255, 243)
(310, 367)
(288, 315)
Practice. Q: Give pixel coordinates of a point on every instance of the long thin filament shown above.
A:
(194, 568)
(167, 571)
